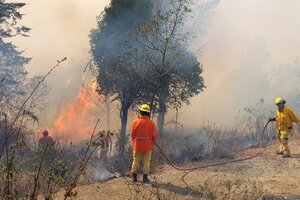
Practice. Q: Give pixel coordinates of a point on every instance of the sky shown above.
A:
(238, 34)
(249, 51)
(59, 29)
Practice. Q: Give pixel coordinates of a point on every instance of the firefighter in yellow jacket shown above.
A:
(284, 125)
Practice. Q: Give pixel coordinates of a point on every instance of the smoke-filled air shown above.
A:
(90, 88)
(241, 44)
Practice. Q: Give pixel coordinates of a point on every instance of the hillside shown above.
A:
(267, 176)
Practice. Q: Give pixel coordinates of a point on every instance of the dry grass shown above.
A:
(215, 188)
(66, 167)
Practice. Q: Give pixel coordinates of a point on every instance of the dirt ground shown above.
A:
(267, 176)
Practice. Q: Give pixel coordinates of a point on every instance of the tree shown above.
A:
(9, 15)
(12, 71)
(116, 75)
(172, 72)
(153, 65)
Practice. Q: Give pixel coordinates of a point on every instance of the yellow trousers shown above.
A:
(145, 157)
(283, 140)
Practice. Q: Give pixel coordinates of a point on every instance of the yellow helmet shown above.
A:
(101, 132)
(145, 108)
(279, 100)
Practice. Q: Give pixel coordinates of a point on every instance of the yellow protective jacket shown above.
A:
(285, 119)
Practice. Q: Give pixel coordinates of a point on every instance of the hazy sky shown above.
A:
(246, 41)
(238, 30)
(59, 29)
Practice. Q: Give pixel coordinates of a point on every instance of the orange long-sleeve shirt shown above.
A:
(143, 133)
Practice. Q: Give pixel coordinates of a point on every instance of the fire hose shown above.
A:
(215, 164)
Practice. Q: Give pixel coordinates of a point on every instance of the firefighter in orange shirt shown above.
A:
(143, 136)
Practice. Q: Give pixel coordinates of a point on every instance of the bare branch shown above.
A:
(33, 91)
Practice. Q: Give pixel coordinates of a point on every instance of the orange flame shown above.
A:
(75, 121)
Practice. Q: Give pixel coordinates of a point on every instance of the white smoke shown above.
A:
(249, 50)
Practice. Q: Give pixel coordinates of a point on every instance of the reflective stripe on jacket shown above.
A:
(142, 138)
(143, 134)
(285, 119)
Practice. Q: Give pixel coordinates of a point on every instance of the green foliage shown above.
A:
(118, 7)
(11, 60)
(113, 27)
(13, 75)
(186, 81)
(170, 72)
(116, 75)
(9, 16)
(153, 65)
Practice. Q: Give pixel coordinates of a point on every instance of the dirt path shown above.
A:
(265, 175)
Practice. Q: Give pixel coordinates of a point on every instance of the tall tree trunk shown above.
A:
(162, 109)
(176, 125)
(107, 105)
(124, 117)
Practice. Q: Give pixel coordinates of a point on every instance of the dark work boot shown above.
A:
(134, 177)
(145, 178)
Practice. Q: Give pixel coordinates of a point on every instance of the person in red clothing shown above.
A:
(104, 146)
(143, 135)
(46, 142)
(46, 148)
